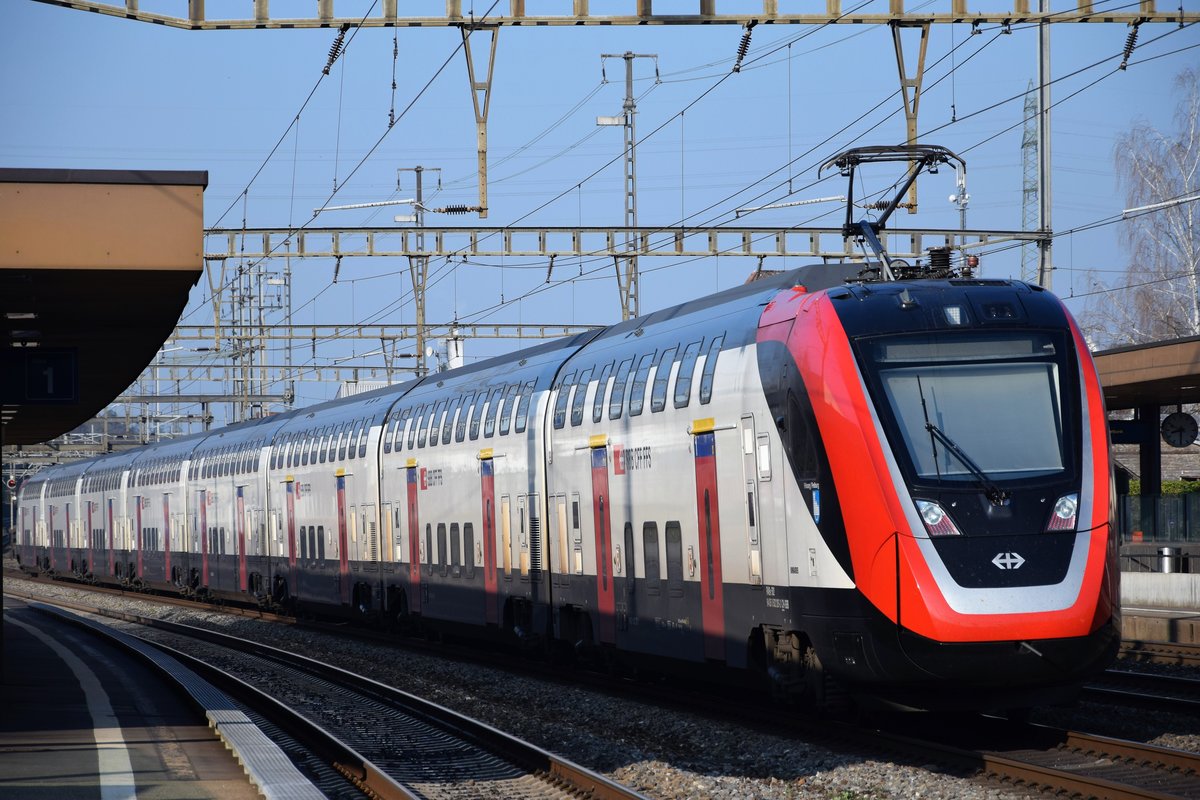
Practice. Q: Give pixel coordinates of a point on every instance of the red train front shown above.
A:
(949, 440)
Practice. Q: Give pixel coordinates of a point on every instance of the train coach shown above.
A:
(901, 490)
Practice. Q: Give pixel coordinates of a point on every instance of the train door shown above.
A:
(90, 565)
(487, 483)
(389, 535)
(343, 539)
(506, 537)
(240, 532)
(370, 531)
(602, 513)
(111, 534)
(712, 589)
(290, 504)
(750, 475)
(414, 538)
(202, 502)
(166, 508)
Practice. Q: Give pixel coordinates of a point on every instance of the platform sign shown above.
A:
(35, 375)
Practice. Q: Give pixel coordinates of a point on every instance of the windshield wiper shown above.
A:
(994, 493)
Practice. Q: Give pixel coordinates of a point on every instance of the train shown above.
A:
(895, 491)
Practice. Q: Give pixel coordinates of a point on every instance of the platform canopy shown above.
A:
(1163, 373)
(95, 269)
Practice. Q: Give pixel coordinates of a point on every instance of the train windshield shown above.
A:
(973, 407)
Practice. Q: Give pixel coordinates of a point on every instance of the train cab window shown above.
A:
(710, 369)
(451, 420)
(441, 548)
(674, 537)
(577, 401)
(683, 381)
(601, 392)
(637, 390)
(417, 416)
(460, 424)
(469, 549)
(363, 435)
(523, 407)
(510, 402)
(658, 395)
(617, 399)
(560, 402)
(650, 551)
(455, 550)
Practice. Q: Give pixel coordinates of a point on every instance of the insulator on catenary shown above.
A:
(1130, 43)
(744, 45)
(460, 209)
(336, 48)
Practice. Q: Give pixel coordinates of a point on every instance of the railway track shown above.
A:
(1178, 653)
(1146, 690)
(1030, 758)
(389, 743)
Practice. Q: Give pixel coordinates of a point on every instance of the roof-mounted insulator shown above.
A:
(459, 209)
(1130, 43)
(335, 49)
(744, 45)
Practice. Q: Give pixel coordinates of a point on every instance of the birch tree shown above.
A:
(1158, 296)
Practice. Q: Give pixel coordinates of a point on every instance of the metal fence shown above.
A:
(1159, 518)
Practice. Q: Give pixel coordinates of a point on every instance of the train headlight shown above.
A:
(937, 521)
(1063, 518)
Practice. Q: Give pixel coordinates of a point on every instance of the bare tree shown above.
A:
(1158, 297)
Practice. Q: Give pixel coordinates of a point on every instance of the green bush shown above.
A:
(1168, 487)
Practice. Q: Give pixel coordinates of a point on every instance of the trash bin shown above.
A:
(1168, 559)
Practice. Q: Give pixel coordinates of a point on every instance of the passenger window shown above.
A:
(387, 437)
(580, 395)
(469, 548)
(323, 447)
(362, 438)
(618, 391)
(305, 451)
(710, 369)
(441, 547)
(455, 550)
(313, 438)
(523, 408)
(320, 541)
(674, 538)
(658, 396)
(343, 435)
(601, 391)
(506, 414)
(637, 392)
(415, 425)
(401, 427)
(650, 551)
(423, 427)
(683, 381)
(460, 426)
(448, 421)
(489, 424)
(303, 542)
(476, 413)
(560, 403)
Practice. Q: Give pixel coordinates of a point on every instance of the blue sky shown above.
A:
(89, 91)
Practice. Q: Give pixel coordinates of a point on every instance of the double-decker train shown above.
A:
(901, 489)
